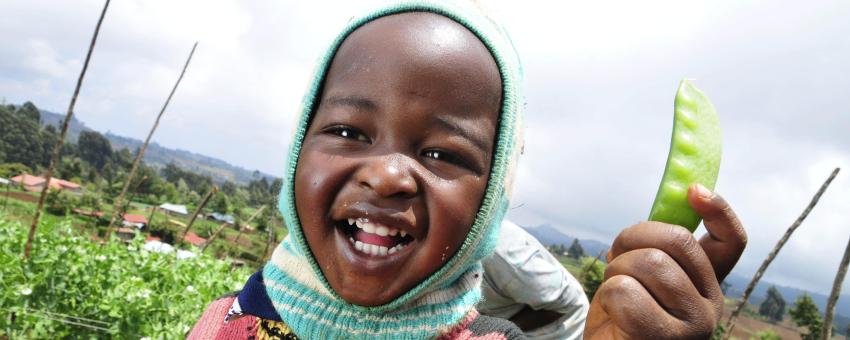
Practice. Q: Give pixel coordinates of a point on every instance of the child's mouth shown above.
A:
(375, 239)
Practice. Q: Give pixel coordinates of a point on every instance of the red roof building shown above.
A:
(138, 221)
(194, 239)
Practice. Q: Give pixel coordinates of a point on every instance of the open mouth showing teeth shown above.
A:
(373, 238)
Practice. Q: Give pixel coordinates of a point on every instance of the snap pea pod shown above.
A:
(694, 157)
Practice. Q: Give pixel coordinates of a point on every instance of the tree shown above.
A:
(221, 204)
(59, 202)
(20, 138)
(773, 307)
(10, 170)
(29, 111)
(94, 148)
(576, 251)
(805, 314)
(69, 168)
(49, 137)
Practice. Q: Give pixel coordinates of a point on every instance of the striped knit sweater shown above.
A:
(255, 318)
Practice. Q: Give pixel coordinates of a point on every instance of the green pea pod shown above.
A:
(694, 157)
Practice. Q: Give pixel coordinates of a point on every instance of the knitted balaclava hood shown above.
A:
(295, 283)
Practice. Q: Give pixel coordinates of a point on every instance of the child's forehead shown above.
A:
(420, 42)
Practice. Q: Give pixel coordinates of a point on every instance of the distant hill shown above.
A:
(549, 235)
(738, 283)
(159, 156)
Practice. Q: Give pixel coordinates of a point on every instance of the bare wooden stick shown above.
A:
(588, 268)
(270, 230)
(217, 231)
(54, 158)
(731, 323)
(251, 218)
(200, 207)
(120, 199)
(214, 235)
(150, 219)
(836, 291)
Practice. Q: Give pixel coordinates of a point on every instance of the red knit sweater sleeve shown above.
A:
(211, 325)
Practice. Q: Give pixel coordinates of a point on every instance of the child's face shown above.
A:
(401, 143)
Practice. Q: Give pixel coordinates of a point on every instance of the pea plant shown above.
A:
(74, 287)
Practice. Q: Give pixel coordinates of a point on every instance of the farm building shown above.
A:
(220, 218)
(138, 221)
(126, 234)
(174, 209)
(36, 183)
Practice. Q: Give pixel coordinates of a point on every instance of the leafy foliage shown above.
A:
(773, 307)
(13, 169)
(805, 314)
(125, 291)
(767, 334)
(59, 202)
(593, 272)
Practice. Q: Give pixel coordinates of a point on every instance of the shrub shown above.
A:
(59, 202)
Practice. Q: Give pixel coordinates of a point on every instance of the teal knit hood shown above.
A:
(295, 283)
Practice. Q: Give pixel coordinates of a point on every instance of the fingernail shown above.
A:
(703, 192)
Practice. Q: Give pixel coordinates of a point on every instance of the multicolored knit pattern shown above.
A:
(295, 282)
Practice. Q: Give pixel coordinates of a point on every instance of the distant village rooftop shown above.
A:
(36, 183)
(174, 208)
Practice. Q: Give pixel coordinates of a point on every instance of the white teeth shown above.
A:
(351, 239)
(374, 228)
(374, 249)
(364, 224)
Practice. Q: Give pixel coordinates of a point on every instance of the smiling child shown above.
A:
(397, 181)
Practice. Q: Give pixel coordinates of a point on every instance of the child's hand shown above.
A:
(662, 283)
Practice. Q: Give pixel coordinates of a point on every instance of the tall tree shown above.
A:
(20, 139)
(29, 111)
(94, 148)
(773, 307)
(49, 138)
(805, 314)
(576, 251)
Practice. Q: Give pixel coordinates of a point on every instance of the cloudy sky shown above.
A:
(600, 83)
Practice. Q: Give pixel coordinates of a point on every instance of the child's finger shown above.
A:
(665, 280)
(679, 244)
(628, 310)
(726, 239)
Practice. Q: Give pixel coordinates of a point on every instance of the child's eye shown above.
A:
(447, 157)
(347, 132)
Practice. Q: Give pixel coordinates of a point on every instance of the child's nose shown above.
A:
(388, 176)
